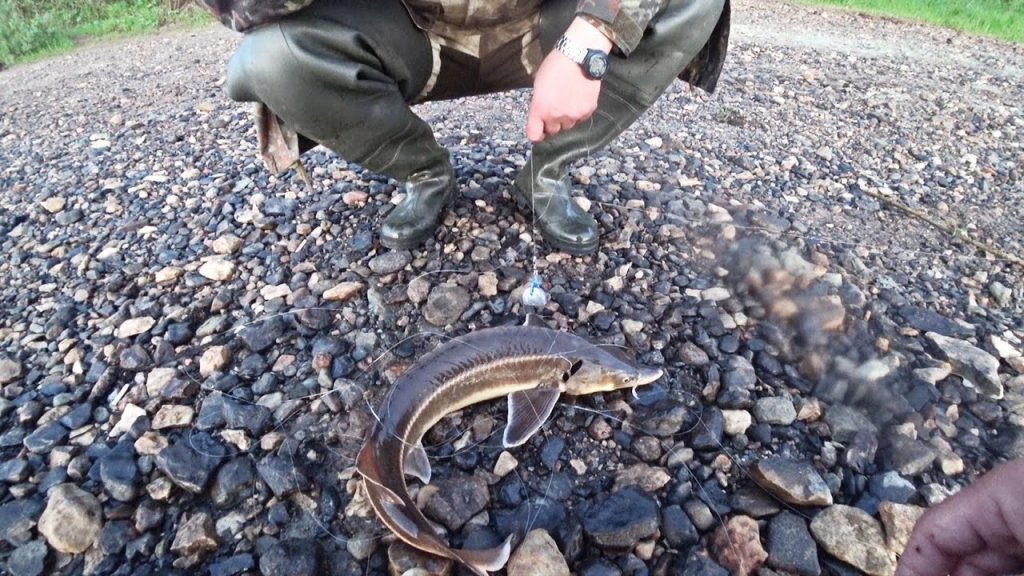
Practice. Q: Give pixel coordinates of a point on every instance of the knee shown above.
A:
(262, 65)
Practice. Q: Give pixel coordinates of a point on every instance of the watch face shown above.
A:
(597, 65)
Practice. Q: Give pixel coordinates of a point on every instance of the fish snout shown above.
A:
(647, 375)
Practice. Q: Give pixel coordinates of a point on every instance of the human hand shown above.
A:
(977, 532)
(562, 93)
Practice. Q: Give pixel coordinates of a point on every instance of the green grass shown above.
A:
(1002, 19)
(31, 29)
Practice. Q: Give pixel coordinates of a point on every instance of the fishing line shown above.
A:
(534, 296)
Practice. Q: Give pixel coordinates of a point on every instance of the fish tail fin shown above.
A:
(483, 562)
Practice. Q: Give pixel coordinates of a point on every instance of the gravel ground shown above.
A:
(188, 343)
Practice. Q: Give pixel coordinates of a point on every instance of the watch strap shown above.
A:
(571, 50)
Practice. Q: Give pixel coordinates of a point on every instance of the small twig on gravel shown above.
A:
(954, 231)
(303, 175)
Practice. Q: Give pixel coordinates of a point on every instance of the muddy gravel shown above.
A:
(190, 346)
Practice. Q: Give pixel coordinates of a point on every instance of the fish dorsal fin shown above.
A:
(618, 352)
(535, 321)
(417, 464)
(482, 562)
(528, 410)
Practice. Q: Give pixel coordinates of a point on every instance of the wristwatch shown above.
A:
(593, 62)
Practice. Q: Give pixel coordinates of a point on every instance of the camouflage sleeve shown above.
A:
(627, 19)
(241, 15)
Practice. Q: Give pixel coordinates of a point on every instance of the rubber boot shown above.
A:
(342, 74)
(412, 155)
(632, 85)
(429, 190)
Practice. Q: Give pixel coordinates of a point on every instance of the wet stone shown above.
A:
(292, 557)
(693, 355)
(29, 412)
(119, 473)
(551, 451)
(148, 515)
(457, 500)
(737, 546)
(445, 304)
(899, 521)
(927, 320)
(72, 519)
(701, 565)
(854, 537)
(599, 567)
(970, 362)
(191, 460)
(11, 438)
(647, 478)
(861, 451)
(10, 370)
(78, 416)
(262, 335)
(708, 433)
(793, 481)
(700, 514)
(390, 262)
(663, 418)
(622, 519)
(890, 486)
(13, 471)
(647, 448)
(178, 333)
(28, 559)
(233, 565)
(754, 502)
(219, 411)
(403, 559)
(739, 374)
(280, 475)
(233, 482)
(538, 555)
(791, 547)
(141, 547)
(115, 536)
(314, 318)
(195, 536)
(134, 358)
(677, 528)
(52, 478)
(909, 457)
(775, 410)
(17, 518)
(845, 422)
(46, 438)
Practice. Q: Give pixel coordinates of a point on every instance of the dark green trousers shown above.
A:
(343, 73)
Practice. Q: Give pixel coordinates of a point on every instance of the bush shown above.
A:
(35, 27)
(24, 32)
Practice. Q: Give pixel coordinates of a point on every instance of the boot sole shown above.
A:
(574, 248)
(407, 243)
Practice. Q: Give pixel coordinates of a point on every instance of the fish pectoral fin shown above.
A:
(417, 464)
(396, 517)
(484, 561)
(535, 321)
(528, 410)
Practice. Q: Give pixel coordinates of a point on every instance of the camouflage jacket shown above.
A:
(623, 21)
